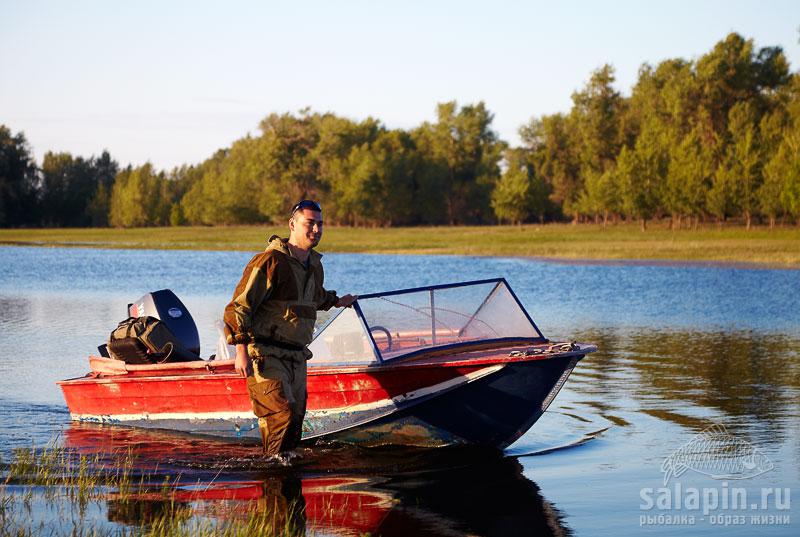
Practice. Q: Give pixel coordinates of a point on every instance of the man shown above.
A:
(271, 321)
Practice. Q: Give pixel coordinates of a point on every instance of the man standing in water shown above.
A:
(271, 321)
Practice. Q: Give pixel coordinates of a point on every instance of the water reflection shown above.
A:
(750, 379)
(332, 489)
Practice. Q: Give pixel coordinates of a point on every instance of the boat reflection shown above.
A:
(330, 489)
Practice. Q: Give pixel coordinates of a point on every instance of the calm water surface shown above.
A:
(682, 348)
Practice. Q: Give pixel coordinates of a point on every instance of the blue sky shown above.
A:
(171, 82)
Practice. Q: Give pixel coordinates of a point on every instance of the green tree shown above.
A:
(600, 195)
(104, 170)
(596, 112)
(17, 180)
(99, 207)
(788, 157)
(204, 196)
(464, 149)
(549, 142)
(513, 193)
(140, 197)
(733, 72)
(641, 173)
(719, 198)
(688, 180)
(664, 106)
(790, 196)
(744, 158)
(288, 162)
(73, 191)
(771, 193)
(374, 184)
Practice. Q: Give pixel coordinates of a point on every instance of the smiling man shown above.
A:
(271, 321)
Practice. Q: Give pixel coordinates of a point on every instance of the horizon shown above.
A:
(172, 89)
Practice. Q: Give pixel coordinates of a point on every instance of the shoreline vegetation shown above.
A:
(624, 242)
(711, 139)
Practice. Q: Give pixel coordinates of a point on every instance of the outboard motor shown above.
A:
(165, 306)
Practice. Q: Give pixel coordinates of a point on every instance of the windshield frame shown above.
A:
(381, 359)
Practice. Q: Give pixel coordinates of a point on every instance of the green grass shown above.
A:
(732, 244)
(41, 481)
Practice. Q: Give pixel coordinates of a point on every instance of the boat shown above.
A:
(442, 365)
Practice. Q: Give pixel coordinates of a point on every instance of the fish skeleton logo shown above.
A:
(715, 453)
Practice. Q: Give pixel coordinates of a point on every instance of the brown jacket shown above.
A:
(277, 299)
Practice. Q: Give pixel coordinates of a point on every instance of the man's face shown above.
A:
(305, 228)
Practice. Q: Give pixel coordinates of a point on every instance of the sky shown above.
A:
(170, 82)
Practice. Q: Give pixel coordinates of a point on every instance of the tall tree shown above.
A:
(462, 145)
(104, 169)
(597, 111)
(374, 184)
(549, 140)
(788, 157)
(641, 173)
(140, 197)
(733, 71)
(73, 190)
(744, 158)
(689, 178)
(600, 196)
(17, 180)
(512, 197)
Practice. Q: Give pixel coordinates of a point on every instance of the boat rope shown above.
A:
(554, 348)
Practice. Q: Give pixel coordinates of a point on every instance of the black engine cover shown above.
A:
(168, 308)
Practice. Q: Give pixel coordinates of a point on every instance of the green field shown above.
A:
(779, 247)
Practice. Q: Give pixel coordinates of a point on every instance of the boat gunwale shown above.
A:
(418, 362)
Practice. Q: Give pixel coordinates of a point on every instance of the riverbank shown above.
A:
(779, 247)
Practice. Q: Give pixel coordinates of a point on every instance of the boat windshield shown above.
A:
(388, 325)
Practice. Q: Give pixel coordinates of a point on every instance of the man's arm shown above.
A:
(242, 362)
(254, 287)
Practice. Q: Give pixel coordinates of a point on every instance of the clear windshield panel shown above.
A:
(343, 341)
(499, 316)
(407, 322)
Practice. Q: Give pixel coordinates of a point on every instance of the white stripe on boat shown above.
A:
(409, 396)
(385, 406)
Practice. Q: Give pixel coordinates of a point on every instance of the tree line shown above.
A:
(706, 139)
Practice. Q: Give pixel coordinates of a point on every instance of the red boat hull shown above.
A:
(486, 397)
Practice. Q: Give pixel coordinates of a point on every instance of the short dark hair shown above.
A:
(306, 204)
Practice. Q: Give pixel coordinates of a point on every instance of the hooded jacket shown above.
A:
(276, 301)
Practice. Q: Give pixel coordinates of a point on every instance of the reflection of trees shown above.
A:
(598, 373)
(747, 375)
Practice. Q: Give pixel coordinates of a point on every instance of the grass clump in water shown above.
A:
(55, 491)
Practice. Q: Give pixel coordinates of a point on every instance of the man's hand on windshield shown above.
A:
(346, 301)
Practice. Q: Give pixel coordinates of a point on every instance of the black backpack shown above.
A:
(146, 340)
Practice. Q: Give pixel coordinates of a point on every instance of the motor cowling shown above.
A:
(165, 306)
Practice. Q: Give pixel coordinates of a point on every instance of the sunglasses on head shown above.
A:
(306, 204)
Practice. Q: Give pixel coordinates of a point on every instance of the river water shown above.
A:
(684, 351)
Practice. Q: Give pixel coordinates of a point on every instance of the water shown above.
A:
(681, 348)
